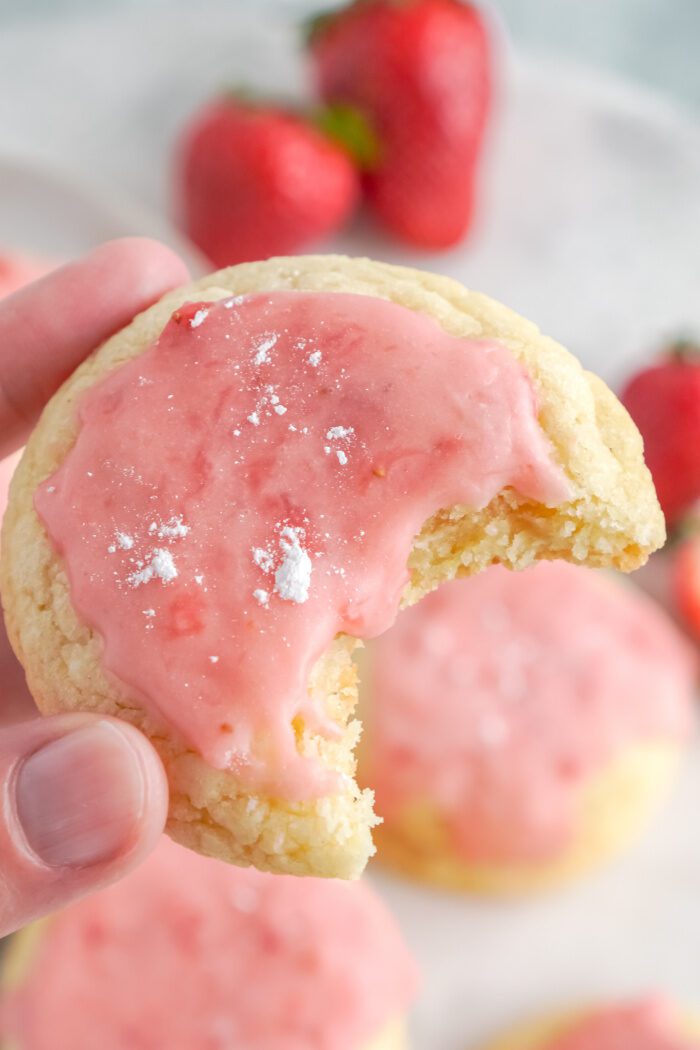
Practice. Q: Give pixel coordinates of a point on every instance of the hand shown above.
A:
(84, 798)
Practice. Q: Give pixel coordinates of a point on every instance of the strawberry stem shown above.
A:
(685, 351)
(313, 26)
(350, 129)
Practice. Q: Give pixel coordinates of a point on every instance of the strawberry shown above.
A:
(418, 71)
(254, 180)
(664, 402)
(686, 582)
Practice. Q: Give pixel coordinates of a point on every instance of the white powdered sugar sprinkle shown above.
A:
(293, 575)
(161, 566)
(342, 458)
(174, 529)
(262, 350)
(314, 359)
(199, 318)
(263, 559)
(261, 596)
(254, 418)
(340, 433)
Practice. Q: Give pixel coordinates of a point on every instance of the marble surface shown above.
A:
(652, 41)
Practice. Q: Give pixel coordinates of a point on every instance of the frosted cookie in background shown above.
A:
(651, 1023)
(522, 727)
(261, 469)
(187, 952)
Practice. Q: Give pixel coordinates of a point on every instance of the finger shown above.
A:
(48, 327)
(16, 704)
(84, 801)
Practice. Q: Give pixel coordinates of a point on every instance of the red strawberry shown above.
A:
(255, 180)
(686, 582)
(418, 70)
(664, 402)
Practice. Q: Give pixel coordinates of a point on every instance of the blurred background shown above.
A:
(586, 219)
(653, 41)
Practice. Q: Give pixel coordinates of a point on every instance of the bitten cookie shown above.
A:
(186, 952)
(652, 1023)
(259, 470)
(521, 727)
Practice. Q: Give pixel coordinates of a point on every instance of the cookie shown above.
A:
(522, 727)
(324, 439)
(187, 952)
(653, 1023)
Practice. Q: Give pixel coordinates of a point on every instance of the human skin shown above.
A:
(84, 797)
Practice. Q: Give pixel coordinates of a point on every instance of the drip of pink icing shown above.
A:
(250, 486)
(188, 952)
(499, 696)
(651, 1024)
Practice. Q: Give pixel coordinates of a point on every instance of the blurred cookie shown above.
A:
(523, 726)
(187, 952)
(647, 1024)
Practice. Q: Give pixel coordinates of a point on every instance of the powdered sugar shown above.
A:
(161, 566)
(293, 576)
(339, 433)
(263, 559)
(174, 529)
(199, 318)
(262, 350)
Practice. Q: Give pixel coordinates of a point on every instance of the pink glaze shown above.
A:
(16, 270)
(190, 953)
(498, 697)
(651, 1024)
(250, 486)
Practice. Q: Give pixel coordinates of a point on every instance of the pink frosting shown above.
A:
(250, 486)
(651, 1024)
(16, 270)
(191, 953)
(498, 697)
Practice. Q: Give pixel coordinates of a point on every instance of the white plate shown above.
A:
(45, 208)
(590, 224)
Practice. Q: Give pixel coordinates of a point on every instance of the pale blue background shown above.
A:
(656, 42)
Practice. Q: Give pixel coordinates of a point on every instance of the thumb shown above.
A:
(84, 799)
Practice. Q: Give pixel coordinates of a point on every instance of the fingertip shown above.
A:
(93, 795)
(151, 265)
(48, 327)
(149, 824)
(85, 800)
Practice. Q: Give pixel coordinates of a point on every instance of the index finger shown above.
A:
(47, 328)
